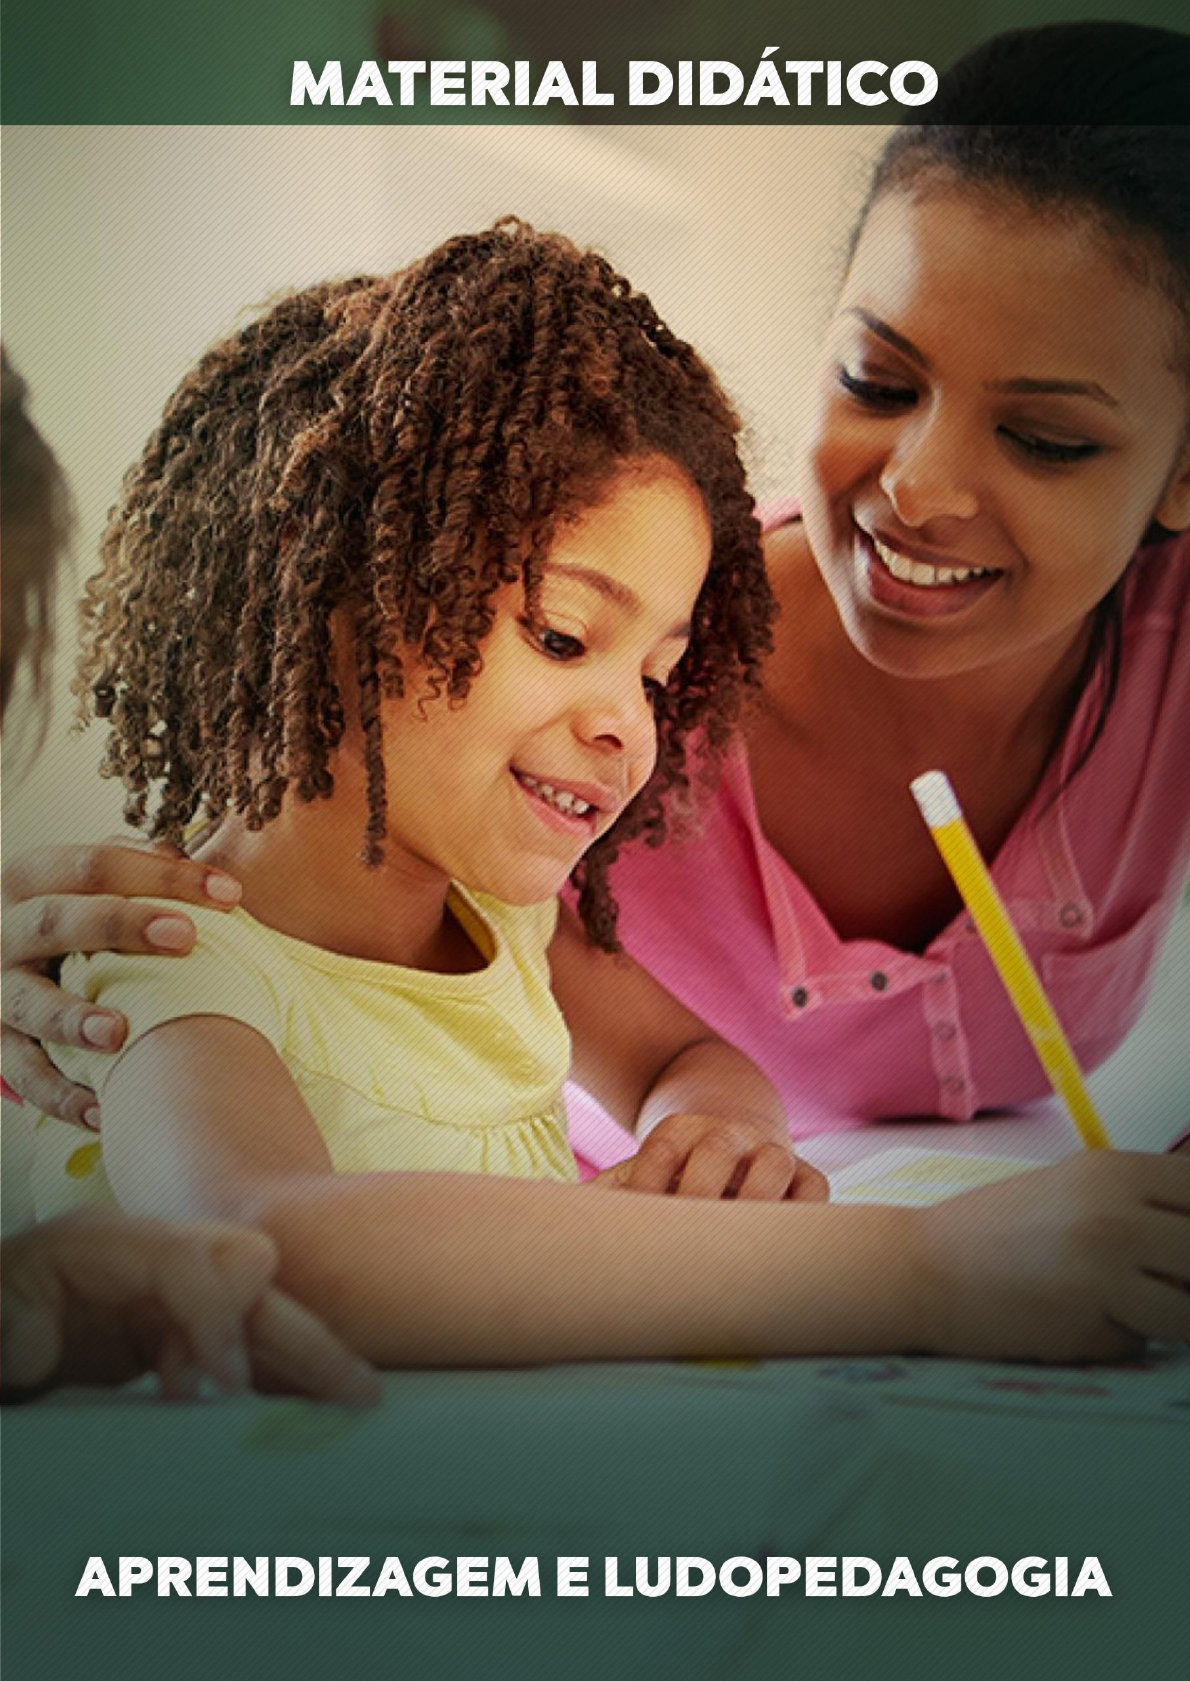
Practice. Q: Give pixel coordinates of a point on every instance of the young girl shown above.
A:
(447, 568)
(419, 584)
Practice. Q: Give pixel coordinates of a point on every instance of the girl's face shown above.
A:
(507, 789)
(1002, 411)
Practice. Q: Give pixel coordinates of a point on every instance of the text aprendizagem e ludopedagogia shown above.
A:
(685, 1577)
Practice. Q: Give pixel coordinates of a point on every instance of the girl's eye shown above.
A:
(555, 644)
(1048, 450)
(875, 395)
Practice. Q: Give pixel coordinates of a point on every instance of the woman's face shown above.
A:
(1002, 411)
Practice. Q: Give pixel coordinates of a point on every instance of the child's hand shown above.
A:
(1080, 1261)
(99, 1297)
(717, 1156)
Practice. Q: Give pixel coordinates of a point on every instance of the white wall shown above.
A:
(127, 251)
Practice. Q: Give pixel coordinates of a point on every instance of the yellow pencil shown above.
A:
(962, 857)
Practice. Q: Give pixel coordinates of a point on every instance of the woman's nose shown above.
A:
(930, 475)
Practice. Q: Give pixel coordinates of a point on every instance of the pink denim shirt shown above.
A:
(852, 1031)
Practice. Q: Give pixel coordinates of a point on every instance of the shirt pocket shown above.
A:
(1100, 990)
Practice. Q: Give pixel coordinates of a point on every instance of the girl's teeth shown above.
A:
(925, 577)
(561, 798)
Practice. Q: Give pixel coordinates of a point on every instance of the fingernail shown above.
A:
(103, 1032)
(225, 890)
(91, 1117)
(171, 933)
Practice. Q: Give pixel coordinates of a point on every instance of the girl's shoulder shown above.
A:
(230, 936)
(235, 968)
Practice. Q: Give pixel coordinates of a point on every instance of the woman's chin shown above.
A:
(909, 651)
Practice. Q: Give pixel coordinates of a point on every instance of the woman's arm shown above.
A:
(446, 1269)
(710, 1121)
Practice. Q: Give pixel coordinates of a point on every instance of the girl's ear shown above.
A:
(1173, 510)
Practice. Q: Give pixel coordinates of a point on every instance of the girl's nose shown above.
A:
(929, 475)
(619, 722)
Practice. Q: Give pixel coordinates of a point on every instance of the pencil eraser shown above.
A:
(936, 798)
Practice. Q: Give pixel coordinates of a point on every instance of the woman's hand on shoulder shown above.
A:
(717, 1156)
(63, 899)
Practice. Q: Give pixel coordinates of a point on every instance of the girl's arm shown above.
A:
(202, 1118)
(711, 1122)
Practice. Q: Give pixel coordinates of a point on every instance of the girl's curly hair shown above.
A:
(398, 448)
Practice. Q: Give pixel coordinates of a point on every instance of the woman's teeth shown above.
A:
(569, 803)
(927, 577)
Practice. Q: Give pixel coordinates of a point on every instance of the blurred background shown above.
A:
(127, 251)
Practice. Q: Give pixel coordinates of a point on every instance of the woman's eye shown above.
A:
(556, 645)
(1049, 450)
(873, 394)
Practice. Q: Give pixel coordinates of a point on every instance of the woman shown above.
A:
(985, 576)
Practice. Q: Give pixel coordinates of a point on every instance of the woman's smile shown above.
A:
(914, 587)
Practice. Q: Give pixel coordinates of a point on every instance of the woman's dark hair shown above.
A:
(35, 512)
(1086, 118)
(393, 450)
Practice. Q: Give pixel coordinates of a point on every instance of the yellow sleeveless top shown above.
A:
(400, 1069)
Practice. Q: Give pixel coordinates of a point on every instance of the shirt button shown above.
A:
(878, 981)
(944, 1030)
(954, 1083)
(800, 997)
(1070, 916)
